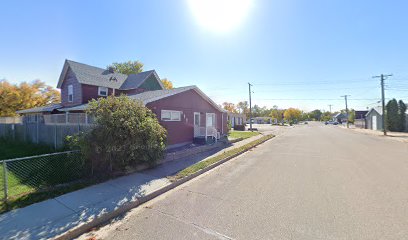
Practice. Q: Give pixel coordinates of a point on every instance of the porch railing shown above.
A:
(205, 132)
(68, 119)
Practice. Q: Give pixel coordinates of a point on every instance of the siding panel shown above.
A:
(187, 102)
(71, 79)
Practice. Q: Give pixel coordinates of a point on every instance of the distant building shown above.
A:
(236, 118)
(262, 120)
(340, 117)
(360, 119)
(374, 119)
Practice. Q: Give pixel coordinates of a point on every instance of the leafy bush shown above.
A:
(126, 133)
(229, 125)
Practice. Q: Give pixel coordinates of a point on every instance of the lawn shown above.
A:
(27, 176)
(16, 149)
(233, 152)
(241, 134)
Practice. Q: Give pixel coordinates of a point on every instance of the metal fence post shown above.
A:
(13, 127)
(37, 129)
(5, 181)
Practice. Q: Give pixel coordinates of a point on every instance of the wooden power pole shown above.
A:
(383, 77)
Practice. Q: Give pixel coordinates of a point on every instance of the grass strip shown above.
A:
(242, 134)
(203, 164)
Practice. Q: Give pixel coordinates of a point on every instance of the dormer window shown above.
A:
(70, 93)
(102, 91)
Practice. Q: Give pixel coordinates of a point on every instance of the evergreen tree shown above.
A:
(392, 116)
(402, 109)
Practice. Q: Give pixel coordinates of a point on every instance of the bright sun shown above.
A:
(220, 15)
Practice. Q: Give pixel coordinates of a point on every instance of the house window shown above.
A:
(167, 115)
(103, 91)
(70, 93)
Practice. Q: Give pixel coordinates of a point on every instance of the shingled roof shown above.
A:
(95, 76)
(47, 108)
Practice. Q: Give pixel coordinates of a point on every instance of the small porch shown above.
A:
(205, 128)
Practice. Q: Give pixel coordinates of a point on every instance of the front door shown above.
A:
(374, 122)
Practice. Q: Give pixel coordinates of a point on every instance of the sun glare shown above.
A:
(220, 15)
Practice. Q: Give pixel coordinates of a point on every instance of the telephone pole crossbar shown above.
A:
(330, 106)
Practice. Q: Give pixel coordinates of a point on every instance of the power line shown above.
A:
(316, 99)
(309, 90)
(313, 82)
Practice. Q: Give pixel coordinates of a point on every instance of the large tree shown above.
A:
(26, 95)
(292, 115)
(129, 67)
(167, 83)
(392, 116)
(316, 114)
(402, 108)
(230, 107)
(277, 114)
(243, 108)
(326, 116)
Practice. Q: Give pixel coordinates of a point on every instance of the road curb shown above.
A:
(85, 227)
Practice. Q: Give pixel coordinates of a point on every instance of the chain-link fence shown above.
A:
(21, 176)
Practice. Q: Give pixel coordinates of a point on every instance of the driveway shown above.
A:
(312, 182)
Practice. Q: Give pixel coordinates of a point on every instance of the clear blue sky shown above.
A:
(292, 49)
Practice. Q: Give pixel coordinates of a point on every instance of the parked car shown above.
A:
(331, 122)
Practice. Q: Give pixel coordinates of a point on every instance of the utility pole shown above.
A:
(383, 77)
(250, 108)
(345, 99)
(330, 105)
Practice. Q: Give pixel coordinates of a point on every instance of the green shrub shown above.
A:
(126, 133)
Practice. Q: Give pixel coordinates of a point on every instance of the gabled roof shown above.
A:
(95, 76)
(48, 108)
(340, 114)
(377, 109)
(135, 80)
(151, 96)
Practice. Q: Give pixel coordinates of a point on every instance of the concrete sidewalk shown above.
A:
(55, 216)
(396, 136)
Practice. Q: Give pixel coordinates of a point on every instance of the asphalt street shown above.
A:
(311, 182)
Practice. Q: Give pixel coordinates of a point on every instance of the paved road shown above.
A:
(313, 182)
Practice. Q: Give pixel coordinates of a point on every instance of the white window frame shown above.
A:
(199, 118)
(70, 93)
(175, 116)
(103, 89)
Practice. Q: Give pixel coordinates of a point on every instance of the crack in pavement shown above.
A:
(202, 194)
(204, 229)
